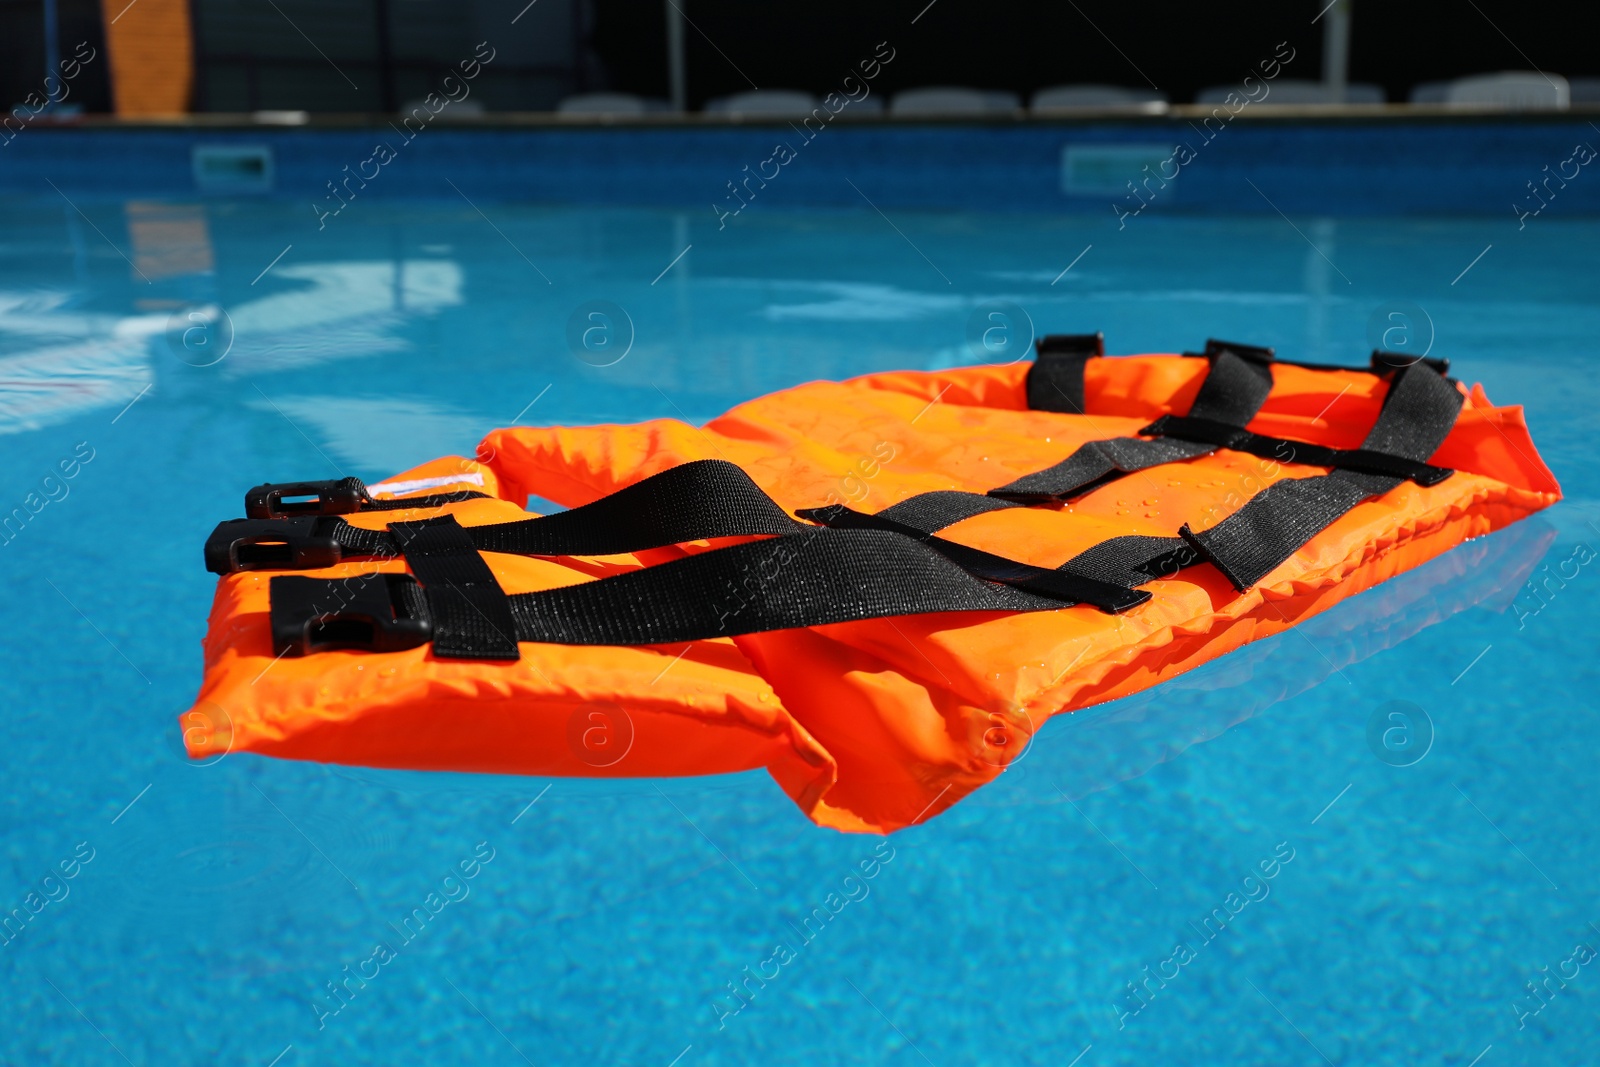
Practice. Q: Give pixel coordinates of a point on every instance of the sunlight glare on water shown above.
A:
(219, 908)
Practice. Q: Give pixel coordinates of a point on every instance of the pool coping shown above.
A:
(1335, 162)
(1329, 114)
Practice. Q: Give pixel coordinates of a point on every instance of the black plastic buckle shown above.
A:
(1383, 360)
(1070, 344)
(302, 543)
(341, 496)
(372, 612)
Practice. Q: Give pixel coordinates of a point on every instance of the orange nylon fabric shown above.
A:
(869, 726)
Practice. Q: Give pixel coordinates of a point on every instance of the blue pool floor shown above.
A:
(212, 906)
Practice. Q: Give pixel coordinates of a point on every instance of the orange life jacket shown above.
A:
(983, 548)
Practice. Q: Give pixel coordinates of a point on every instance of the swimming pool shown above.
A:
(1415, 888)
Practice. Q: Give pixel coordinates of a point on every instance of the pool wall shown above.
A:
(1252, 165)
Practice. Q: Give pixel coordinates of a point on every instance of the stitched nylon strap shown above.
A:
(1055, 380)
(1054, 583)
(930, 512)
(810, 579)
(1238, 440)
(1233, 391)
(1133, 560)
(1418, 414)
(1094, 464)
(471, 613)
(691, 502)
(872, 566)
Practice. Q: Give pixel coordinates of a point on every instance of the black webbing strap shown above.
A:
(1418, 413)
(1235, 439)
(810, 577)
(869, 567)
(1133, 559)
(694, 501)
(930, 512)
(471, 613)
(1094, 464)
(1258, 353)
(1055, 380)
(1235, 387)
(691, 502)
(1233, 391)
(813, 578)
(990, 567)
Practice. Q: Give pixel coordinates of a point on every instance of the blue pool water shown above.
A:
(1408, 907)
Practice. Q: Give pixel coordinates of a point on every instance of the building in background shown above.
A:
(373, 56)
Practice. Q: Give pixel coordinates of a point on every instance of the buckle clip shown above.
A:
(303, 543)
(373, 613)
(338, 496)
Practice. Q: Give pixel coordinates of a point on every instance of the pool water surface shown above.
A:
(1431, 899)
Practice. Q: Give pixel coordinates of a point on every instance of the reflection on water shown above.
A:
(225, 895)
(1095, 748)
(310, 313)
(339, 310)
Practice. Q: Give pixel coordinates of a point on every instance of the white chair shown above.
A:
(1585, 91)
(609, 104)
(1295, 91)
(953, 100)
(1071, 97)
(779, 102)
(1514, 90)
